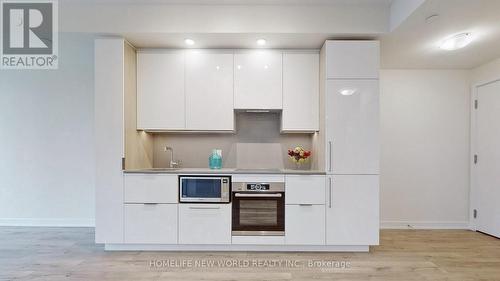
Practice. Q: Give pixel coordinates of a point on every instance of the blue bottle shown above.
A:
(215, 159)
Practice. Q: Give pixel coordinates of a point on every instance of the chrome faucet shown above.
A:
(173, 163)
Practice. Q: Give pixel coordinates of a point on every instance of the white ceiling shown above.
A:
(233, 2)
(415, 43)
(412, 43)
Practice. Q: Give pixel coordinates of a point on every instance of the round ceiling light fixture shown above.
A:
(456, 42)
(189, 42)
(347, 91)
(261, 42)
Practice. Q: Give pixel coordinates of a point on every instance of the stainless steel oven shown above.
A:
(258, 209)
(204, 189)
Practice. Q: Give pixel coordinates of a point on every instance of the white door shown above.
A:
(352, 210)
(209, 91)
(257, 80)
(300, 92)
(160, 90)
(305, 224)
(204, 223)
(352, 123)
(150, 223)
(487, 175)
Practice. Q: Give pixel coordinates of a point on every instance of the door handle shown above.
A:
(257, 195)
(329, 192)
(204, 208)
(329, 156)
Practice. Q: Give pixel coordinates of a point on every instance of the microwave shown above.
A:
(204, 189)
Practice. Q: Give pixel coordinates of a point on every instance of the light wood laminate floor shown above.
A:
(70, 254)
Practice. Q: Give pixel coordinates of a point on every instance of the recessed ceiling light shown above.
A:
(347, 92)
(189, 42)
(261, 42)
(456, 42)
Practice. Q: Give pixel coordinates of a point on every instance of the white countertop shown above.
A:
(222, 171)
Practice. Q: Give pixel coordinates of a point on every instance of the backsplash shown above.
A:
(257, 143)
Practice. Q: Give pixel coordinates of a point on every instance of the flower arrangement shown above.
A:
(299, 155)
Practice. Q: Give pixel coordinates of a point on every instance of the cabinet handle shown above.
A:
(329, 192)
(305, 205)
(257, 195)
(329, 156)
(204, 208)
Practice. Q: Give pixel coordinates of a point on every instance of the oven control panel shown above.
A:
(257, 186)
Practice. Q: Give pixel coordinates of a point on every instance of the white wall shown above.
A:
(425, 148)
(486, 73)
(46, 140)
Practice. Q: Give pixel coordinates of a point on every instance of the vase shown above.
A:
(298, 165)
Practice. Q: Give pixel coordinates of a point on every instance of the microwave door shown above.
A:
(203, 189)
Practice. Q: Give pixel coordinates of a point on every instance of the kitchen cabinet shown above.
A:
(151, 188)
(209, 91)
(110, 64)
(352, 125)
(352, 59)
(305, 224)
(305, 189)
(352, 210)
(300, 92)
(150, 223)
(204, 223)
(160, 90)
(257, 80)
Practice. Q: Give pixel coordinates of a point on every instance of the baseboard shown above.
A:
(424, 225)
(52, 222)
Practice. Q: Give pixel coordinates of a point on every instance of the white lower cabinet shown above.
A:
(305, 224)
(352, 210)
(150, 223)
(204, 223)
(150, 188)
(305, 189)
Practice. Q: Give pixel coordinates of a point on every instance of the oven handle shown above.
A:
(257, 195)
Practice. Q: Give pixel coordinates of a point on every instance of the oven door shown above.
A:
(204, 189)
(258, 213)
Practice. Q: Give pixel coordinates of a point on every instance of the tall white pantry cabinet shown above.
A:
(349, 77)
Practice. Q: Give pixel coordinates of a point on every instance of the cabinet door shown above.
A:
(308, 189)
(209, 91)
(257, 80)
(352, 59)
(352, 124)
(352, 210)
(300, 92)
(204, 223)
(305, 224)
(150, 223)
(151, 188)
(160, 90)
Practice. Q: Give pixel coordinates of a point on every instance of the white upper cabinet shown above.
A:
(160, 90)
(352, 210)
(300, 92)
(352, 59)
(257, 80)
(352, 123)
(209, 91)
